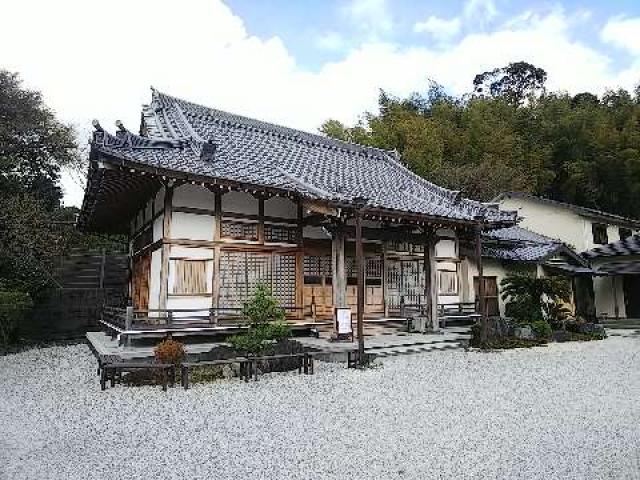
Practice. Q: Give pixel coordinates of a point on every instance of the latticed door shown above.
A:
(241, 272)
(405, 279)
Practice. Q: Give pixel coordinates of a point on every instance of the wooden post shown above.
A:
(128, 322)
(430, 283)
(360, 270)
(385, 304)
(166, 237)
(300, 264)
(338, 270)
(481, 294)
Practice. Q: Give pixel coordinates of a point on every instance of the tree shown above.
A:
(33, 147)
(514, 83)
(530, 299)
(33, 143)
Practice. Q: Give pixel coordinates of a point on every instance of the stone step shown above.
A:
(415, 349)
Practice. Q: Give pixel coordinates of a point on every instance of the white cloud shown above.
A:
(371, 16)
(439, 27)
(480, 10)
(330, 41)
(102, 62)
(623, 33)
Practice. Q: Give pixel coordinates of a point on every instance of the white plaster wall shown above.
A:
(158, 227)
(190, 252)
(194, 196)
(203, 303)
(192, 226)
(239, 202)
(159, 200)
(154, 279)
(280, 207)
(552, 221)
(446, 248)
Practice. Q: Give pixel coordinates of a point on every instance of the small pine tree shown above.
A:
(263, 308)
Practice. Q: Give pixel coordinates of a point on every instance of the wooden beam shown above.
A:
(339, 281)
(166, 247)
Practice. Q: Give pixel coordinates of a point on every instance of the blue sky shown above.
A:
(299, 63)
(303, 25)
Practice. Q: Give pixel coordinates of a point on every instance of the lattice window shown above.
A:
(239, 230)
(241, 272)
(280, 234)
(373, 268)
(190, 277)
(283, 281)
(317, 266)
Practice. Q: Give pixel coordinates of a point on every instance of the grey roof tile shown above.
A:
(260, 153)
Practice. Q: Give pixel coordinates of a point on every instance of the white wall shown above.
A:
(194, 196)
(559, 222)
(280, 207)
(239, 202)
(192, 226)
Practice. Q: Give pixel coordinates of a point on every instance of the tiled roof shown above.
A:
(519, 244)
(588, 212)
(621, 248)
(262, 154)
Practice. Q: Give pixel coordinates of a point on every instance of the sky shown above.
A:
(300, 62)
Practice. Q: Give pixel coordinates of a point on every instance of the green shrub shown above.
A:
(530, 299)
(542, 329)
(263, 308)
(14, 307)
(251, 342)
(277, 331)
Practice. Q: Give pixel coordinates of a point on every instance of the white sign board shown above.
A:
(343, 319)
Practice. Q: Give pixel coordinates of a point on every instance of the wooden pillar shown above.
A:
(300, 265)
(385, 304)
(360, 270)
(215, 281)
(482, 303)
(339, 281)
(430, 284)
(166, 247)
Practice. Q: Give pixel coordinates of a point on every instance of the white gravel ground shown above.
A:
(569, 411)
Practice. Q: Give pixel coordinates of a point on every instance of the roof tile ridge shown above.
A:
(282, 131)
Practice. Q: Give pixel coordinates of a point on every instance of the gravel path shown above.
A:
(569, 411)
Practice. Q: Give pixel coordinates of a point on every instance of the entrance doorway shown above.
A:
(631, 287)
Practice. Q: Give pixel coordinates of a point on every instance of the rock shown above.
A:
(227, 372)
(561, 336)
(524, 332)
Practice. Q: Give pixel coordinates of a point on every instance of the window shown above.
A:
(599, 231)
(190, 277)
(448, 282)
(625, 233)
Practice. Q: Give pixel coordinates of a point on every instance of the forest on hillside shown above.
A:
(509, 133)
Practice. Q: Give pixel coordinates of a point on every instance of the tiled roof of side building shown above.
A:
(519, 244)
(621, 248)
(262, 154)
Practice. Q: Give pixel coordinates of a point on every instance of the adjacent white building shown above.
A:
(583, 229)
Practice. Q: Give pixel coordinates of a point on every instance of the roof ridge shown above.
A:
(268, 127)
(389, 156)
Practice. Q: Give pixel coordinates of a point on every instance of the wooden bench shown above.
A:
(186, 367)
(110, 370)
(305, 363)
